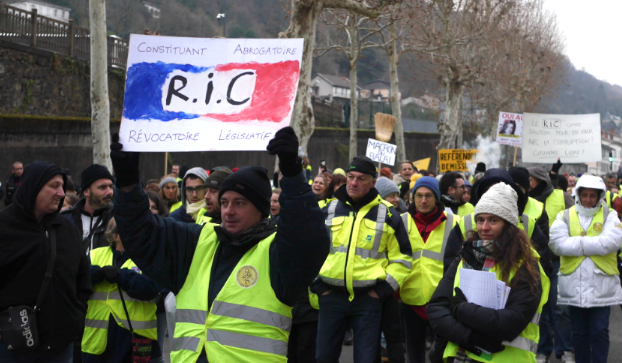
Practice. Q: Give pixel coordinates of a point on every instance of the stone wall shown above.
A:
(68, 143)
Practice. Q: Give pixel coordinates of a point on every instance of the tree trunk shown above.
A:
(100, 104)
(303, 25)
(395, 94)
(354, 103)
(448, 128)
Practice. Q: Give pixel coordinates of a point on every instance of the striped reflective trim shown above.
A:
(406, 264)
(522, 343)
(342, 249)
(248, 313)
(355, 283)
(536, 319)
(139, 325)
(405, 220)
(185, 343)
(567, 220)
(99, 295)
(114, 295)
(468, 224)
(190, 316)
(438, 256)
(97, 324)
(250, 342)
(332, 207)
(525, 220)
(393, 282)
(380, 217)
(361, 252)
(416, 255)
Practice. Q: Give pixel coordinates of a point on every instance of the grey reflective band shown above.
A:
(114, 295)
(416, 255)
(355, 283)
(248, 313)
(190, 316)
(250, 342)
(468, 224)
(406, 264)
(393, 282)
(99, 295)
(332, 207)
(185, 343)
(567, 220)
(405, 220)
(97, 324)
(438, 256)
(361, 252)
(522, 343)
(139, 325)
(380, 217)
(525, 219)
(536, 319)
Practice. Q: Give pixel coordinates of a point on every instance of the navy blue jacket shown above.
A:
(180, 215)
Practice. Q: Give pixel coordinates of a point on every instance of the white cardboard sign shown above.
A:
(571, 138)
(200, 94)
(510, 129)
(381, 151)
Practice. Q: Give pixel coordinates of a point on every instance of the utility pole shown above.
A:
(100, 103)
(221, 16)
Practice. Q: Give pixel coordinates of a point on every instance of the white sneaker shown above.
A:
(541, 358)
(568, 357)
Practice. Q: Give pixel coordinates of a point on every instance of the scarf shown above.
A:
(255, 234)
(426, 223)
(194, 208)
(541, 192)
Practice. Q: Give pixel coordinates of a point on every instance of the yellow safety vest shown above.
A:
(175, 206)
(466, 209)
(428, 267)
(202, 219)
(607, 263)
(524, 347)
(534, 209)
(555, 203)
(246, 322)
(467, 224)
(106, 300)
(610, 197)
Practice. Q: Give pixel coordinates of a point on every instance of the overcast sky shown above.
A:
(593, 35)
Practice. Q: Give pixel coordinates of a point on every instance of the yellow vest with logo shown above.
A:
(466, 209)
(357, 256)
(524, 347)
(246, 322)
(610, 197)
(175, 207)
(607, 263)
(467, 223)
(428, 267)
(534, 209)
(555, 203)
(106, 300)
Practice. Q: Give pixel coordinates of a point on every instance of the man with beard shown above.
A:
(211, 213)
(93, 212)
(452, 189)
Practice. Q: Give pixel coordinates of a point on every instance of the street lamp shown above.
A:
(224, 23)
(611, 161)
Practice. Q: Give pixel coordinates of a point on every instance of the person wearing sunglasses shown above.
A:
(452, 188)
(192, 196)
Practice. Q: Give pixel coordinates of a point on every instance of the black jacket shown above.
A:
(495, 325)
(163, 248)
(24, 254)
(10, 187)
(101, 217)
(180, 215)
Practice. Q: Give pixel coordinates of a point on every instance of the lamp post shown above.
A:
(224, 23)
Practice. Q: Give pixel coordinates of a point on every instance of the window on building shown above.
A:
(55, 12)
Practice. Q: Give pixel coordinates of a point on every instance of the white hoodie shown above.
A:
(588, 286)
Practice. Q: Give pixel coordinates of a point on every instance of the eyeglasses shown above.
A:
(199, 189)
(424, 196)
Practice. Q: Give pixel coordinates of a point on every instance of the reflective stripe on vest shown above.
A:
(438, 256)
(246, 321)
(607, 263)
(534, 209)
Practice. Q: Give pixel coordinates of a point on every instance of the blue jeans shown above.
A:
(365, 314)
(590, 333)
(7, 356)
(554, 319)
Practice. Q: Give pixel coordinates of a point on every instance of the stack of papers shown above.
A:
(483, 288)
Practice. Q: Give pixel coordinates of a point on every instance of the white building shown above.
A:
(53, 11)
(153, 10)
(323, 85)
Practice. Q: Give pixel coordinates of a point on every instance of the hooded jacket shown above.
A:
(24, 255)
(181, 214)
(99, 224)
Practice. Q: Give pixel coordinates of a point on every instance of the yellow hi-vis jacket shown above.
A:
(534, 209)
(246, 322)
(524, 347)
(467, 223)
(428, 267)
(466, 209)
(175, 207)
(610, 197)
(607, 263)
(366, 246)
(106, 300)
(202, 219)
(555, 203)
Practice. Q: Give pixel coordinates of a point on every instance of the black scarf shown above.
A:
(255, 234)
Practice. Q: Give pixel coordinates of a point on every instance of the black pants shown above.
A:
(301, 348)
(392, 330)
(414, 334)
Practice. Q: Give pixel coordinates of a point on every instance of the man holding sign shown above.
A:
(235, 284)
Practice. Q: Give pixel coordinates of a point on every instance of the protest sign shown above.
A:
(422, 164)
(381, 151)
(195, 94)
(572, 138)
(455, 159)
(510, 129)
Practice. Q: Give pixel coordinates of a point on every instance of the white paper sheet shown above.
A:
(483, 288)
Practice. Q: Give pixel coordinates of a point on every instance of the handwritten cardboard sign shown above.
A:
(381, 151)
(510, 129)
(195, 94)
(572, 138)
(455, 159)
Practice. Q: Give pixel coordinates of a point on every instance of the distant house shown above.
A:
(378, 90)
(53, 11)
(336, 88)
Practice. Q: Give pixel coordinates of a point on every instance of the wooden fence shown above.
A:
(29, 28)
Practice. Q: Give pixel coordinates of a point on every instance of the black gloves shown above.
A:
(125, 164)
(285, 145)
(556, 167)
(111, 274)
(477, 340)
(457, 301)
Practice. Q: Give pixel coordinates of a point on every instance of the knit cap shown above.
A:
(430, 183)
(198, 172)
(217, 177)
(167, 180)
(363, 164)
(385, 186)
(500, 200)
(93, 173)
(480, 168)
(339, 171)
(252, 183)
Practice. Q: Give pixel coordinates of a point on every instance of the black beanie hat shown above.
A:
(216, 178)
(363, 164)
(93, 173)
(480, 168)
(520, 176)
(253, 183)
(562, 182)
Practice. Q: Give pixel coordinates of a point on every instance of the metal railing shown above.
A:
(31, 29)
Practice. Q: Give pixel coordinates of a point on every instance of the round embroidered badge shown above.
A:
(247, 276)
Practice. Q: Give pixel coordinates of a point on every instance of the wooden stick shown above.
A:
(165, 162)
(515, 148)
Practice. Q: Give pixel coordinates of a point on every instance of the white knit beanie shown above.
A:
(500, 200)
